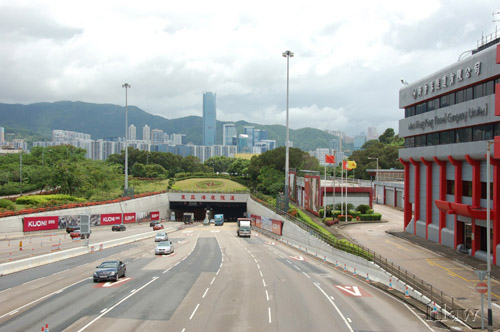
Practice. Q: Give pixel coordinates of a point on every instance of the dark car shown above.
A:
(70, 229)
(154, 222)
(110, 270)
(118, 228)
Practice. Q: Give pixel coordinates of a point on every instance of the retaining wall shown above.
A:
(13, 226)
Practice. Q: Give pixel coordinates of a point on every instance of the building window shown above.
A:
(421, 108)
(479, 91)
(467, 188)
(433, 139)
(450, 187)
(459, 96)
(469, 94)
(489, 88)
(410, 142)
(409, 111)
(463, 135)
(447, 137)
(483, 190)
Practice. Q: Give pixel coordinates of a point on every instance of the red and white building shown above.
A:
(450, 116)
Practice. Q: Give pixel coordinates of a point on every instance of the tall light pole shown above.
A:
(488, 231)
(287, 55)
(125, 187)
(376, 173)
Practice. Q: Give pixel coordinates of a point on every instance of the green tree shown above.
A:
(271, 181)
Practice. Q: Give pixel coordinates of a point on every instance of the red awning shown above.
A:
(464, 210)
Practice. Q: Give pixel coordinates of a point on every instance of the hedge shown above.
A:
(371, 216)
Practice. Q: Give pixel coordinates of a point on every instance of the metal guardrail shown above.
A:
(418, 284)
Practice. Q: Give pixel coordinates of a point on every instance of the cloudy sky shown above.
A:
(350, 56)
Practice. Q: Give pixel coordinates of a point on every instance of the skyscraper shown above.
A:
(146, 133)
(2, 135)
(157, 136)
(132, 132)
(229, 134)
(209, 118)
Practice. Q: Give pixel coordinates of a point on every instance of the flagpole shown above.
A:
(334, 158)
(342, 188)
(324, 197)
(346, 209)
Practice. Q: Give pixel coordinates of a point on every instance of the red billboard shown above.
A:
(129, 218)
(111, 219)
(276, 228)
(32, 224)
(155, 215)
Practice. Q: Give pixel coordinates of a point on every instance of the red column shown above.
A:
(442, 193)
(458, 195)
(428, 195)
(416, 164)
(495, 207)
(476, 200)
(406, 204)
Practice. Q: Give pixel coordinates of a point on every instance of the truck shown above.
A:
(244, 227)
(188, 217)
(219, 219)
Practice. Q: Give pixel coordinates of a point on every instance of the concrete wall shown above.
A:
(13, 226)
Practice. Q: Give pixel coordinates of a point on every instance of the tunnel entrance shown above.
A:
(231, 211)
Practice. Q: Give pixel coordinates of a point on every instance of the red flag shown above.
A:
(329, 159)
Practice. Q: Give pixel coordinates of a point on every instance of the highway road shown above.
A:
(214, 281)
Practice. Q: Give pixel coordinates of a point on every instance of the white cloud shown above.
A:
(349, 56)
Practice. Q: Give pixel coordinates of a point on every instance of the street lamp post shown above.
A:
(376, 174)
(287, 55)
(125, 188)
(488, 231)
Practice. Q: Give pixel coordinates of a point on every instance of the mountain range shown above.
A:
(36, 122)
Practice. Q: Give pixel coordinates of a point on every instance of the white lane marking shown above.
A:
(264, 282)
(267, 295)
(43, 297)
(194, 311)
(295, 266)
(350, 321)
(60, 272)
(6, 290)
(332, 298)
(133, 290)
(258, 266)
(269, 312)
(109, 283)
(289, 261)
(212, 281)
(13, 312)
(103, 310)
(306, 275)
(205, 293)
(336, 308)
(28, 282)
(184, 329)
(117, 304)
(261, 273)
(255, 260)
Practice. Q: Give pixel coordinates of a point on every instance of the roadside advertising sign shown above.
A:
(277, 226)
(111, 219)
(155, 215)
(129, 218)
(44, 223)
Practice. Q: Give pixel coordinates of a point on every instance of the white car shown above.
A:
(161, 236)
(164, 248)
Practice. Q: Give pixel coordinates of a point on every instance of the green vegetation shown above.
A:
(6, 204)
(44, 200)
(222, 185)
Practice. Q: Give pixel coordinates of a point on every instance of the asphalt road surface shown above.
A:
(214, 281)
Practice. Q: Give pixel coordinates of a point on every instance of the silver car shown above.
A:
(164, 248)
(161, 236)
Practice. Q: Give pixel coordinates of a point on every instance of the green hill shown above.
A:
(107, 120)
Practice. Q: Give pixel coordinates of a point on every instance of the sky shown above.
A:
(349, 56)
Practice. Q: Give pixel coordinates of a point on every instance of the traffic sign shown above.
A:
(482, 287)
(353, 291)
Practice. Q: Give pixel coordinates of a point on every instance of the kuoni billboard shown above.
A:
(33, 224)
(129, 218)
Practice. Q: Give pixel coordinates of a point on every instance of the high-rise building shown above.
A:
(157, 136)
(209, 118)
(132, 132)
(146, 133)
(250, 132)
(2, 136)
(359, 140)
(229, 134)
(372, 133)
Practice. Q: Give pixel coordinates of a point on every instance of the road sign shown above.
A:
(297, 258)
(482, 287)
(353, 291)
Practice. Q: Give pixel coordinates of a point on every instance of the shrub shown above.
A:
(6, 204)
(371, 216)
(363, 208)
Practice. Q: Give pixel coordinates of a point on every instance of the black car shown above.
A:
(70, 229)
(154, 222)
(110, 270)
(118, 228)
